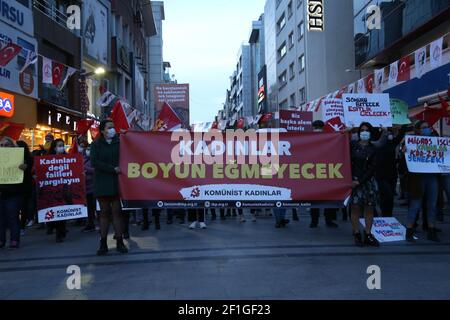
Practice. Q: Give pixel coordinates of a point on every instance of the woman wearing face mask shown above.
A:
(422, 187)
(57, 148)
(364, 195)
(105, 160)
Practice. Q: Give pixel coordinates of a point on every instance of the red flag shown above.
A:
(215, 125)
(341, 92)
(83, 126)
(57, 73)
(241, 123)
(9, 52)
(404, 69)
(334, 125)
(12, 130)
(95, 130)
(445, 107)
(119, 118)
(369, 82)
(168, 120)
(74, 148)
(265, 118)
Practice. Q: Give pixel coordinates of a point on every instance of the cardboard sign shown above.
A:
(427, 154)
(400, 111)
(333, 115)
(387, 229)
(296, 121)
(372, 108)
(10, 160)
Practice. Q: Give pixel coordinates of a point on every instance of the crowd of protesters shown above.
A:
(378, 166)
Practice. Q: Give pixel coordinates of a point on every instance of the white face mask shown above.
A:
(88, 153)
(80, 149)
(60, 150)
(365, 136)
(111, 133)
(390, 137)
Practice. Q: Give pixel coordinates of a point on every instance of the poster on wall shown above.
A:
(61, 188)
(95, 26)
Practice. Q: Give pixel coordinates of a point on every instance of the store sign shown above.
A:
(17, 15)
(10, 78)
(316, 15)
(56, 119)
(6, 105)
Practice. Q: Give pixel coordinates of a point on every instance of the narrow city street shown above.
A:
(228, 260)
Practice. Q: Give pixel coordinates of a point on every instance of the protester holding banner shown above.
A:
(57, 147)
(85, 150)
(197, 218)
(423, 188)
(10, 202)
(26, 207)
(105, 160)
(364, 195)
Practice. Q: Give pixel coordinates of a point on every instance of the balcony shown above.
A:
(57, 13)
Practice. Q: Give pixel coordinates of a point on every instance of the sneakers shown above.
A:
(103, 250)
(369, 240)
(358, 239)
(193, 225)
(30, 224)
(432, 235)
(121, 248)
(202, 225)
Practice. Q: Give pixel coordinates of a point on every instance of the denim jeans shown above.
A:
(429, 186)
(280, 215)
(9, 217)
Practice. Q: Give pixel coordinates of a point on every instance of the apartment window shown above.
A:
(284, 105)
(302, 96)
(299, 3)
(301, 61)
(291, 40)
(292, 100)
(282, 80)
(292, 71)
(282, 51)
(278, 3)
(301, 30)
(281, 23)
(289, 9)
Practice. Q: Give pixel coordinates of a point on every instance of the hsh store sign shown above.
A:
(316, 15)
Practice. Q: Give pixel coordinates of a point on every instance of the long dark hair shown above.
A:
(52, 149)
(368, 125)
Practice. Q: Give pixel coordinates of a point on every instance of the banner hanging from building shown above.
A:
(235, 169)
(372, 108)
(175, 95)
(296, 121)
(61, 188)
(427, 154)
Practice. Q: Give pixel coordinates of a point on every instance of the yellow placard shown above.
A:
(10, 160)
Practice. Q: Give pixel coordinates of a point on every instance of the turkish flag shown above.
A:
(83, 126)
(119, 118)
(215, 125)
(168, 119)
(369, 83)
(95, 130)
(265, 118)
(12, 130)
(404, 69)
(9, 52)
(57, 73)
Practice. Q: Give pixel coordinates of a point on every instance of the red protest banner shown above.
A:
(61, 188)
(217, 169)
(296, 121)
